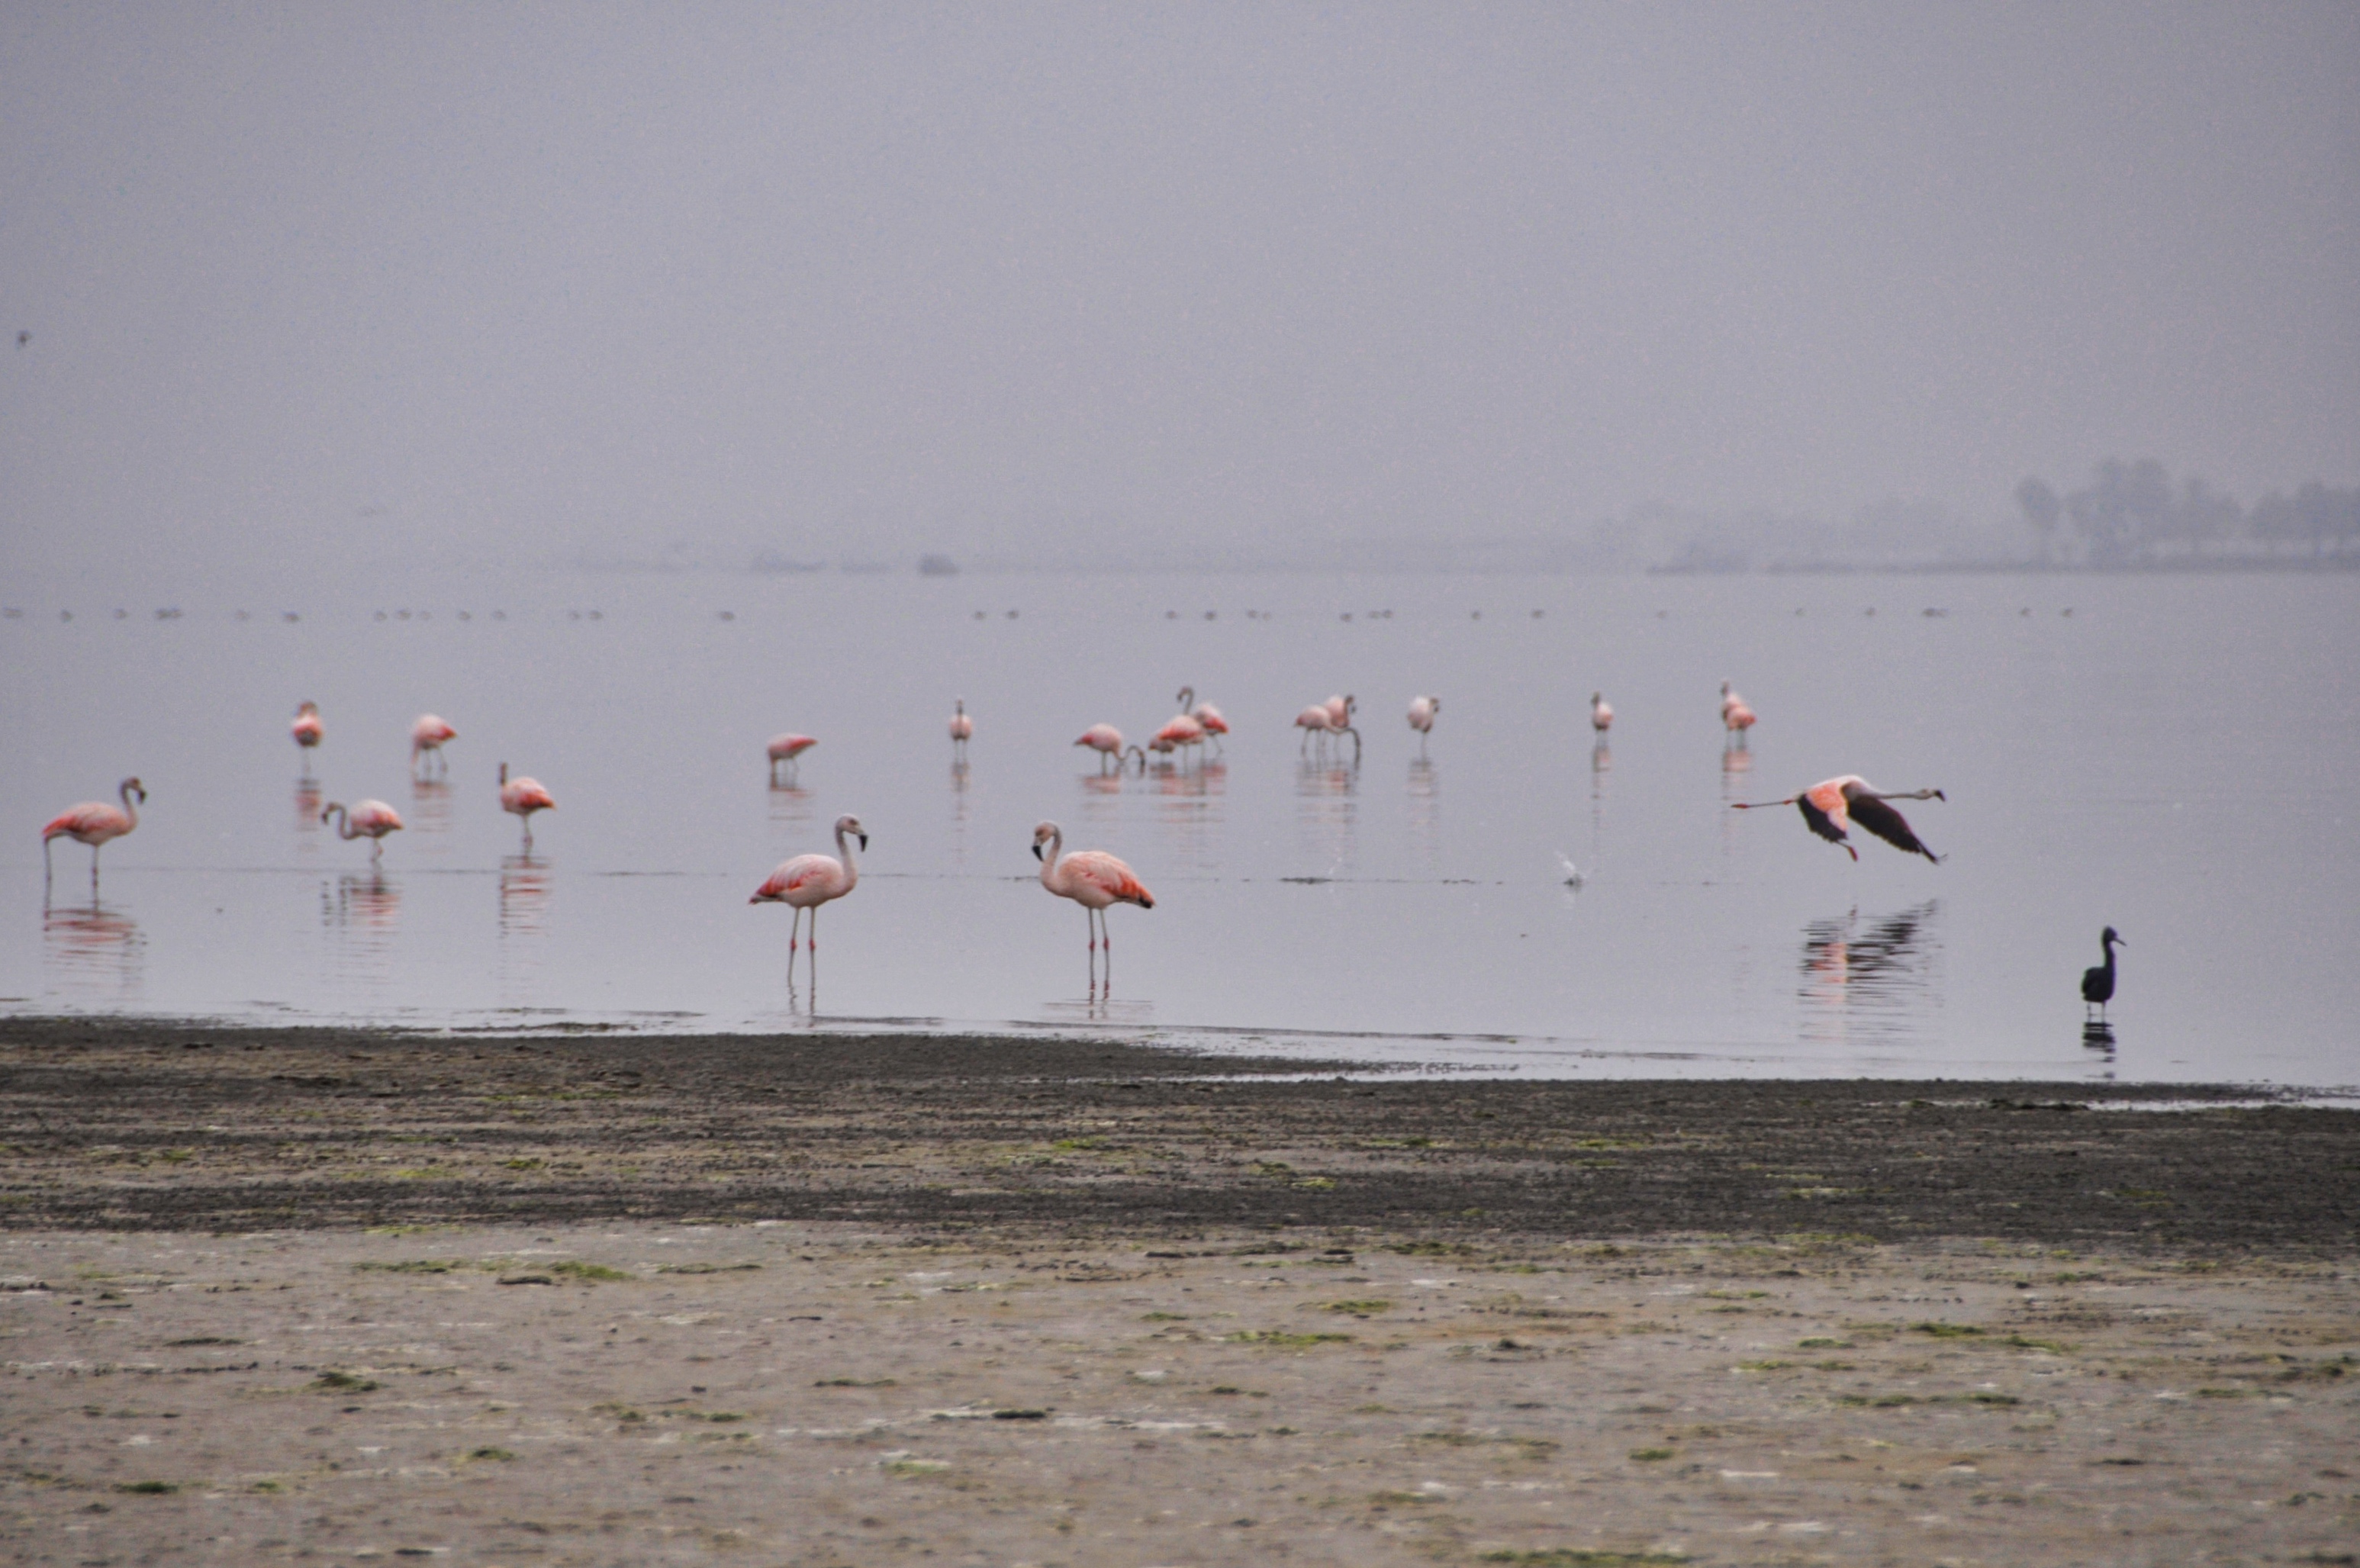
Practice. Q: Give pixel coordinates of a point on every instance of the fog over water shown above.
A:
(318, 287)
(600, 380)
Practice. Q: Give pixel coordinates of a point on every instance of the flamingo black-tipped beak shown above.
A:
(864, 840)
(1940, 796)
(1036, 851)
(1854, 853)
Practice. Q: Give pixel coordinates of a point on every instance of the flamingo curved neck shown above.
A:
(130, 811)
(1049, 878)
(851, 867)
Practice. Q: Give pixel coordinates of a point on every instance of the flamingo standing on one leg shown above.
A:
(810, 880)
(2098, 984)
(1834, 804)
(1107, 741)
(371, 820)
(426, 738)
(1601, 713)
(786, 748)
(1422, 711)
(962, 728)
(1736, 713)
(93, 823)
(1090, 878)
(523, 797)
(1205, 714)
(306, 729)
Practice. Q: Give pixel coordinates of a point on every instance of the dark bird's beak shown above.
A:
(864, 840)
(1036, 851)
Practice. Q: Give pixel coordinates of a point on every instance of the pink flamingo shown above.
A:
(786, 748)
(426, 738)
(1834, 804)
(1422, 711)
(1090, 878)
(522, 797)
(371, 820)
(307, 731)
(1737, 715)
(1177, 732)
(962, 727)
(93, 823)
(1104, 739)
(1333, 716)
(1601, 713)
(1205, 714)
(810, 880)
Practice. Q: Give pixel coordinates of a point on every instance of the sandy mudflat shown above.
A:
(277, 1296)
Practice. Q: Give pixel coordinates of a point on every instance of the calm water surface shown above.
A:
(2178, 758)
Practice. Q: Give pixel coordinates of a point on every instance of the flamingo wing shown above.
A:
(88, 820)
(375, 818)
(526, 795)
(1879, 817)
(1107, 875)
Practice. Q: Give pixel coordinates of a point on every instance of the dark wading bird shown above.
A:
(2098, 984)
(1830, 807)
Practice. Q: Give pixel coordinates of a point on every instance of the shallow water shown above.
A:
(2178, 758)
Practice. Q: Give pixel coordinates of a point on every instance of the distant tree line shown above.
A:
(2132, 511)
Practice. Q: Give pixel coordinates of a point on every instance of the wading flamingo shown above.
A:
(523, 797)
(2098, 985)
(1601, 713)
(307, 731)
(786, 748)
(1107, 741)
(1179, 731)
(93, 823)
(1333, 716)
(810, 880)
(1736, 713)
(1205, 714)
(426, 738)
(1090, 878)
(962, 727)
(1835, 804)
(371, 820)
(1421, 718)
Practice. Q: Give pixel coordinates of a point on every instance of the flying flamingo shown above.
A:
(2098, 985)
(1205, 714)
(1107, 741)
(962, 727)
(1835, 804)
(306, 731)
(1090, 878)
(786, 748)
(426, 738)
(810, 880)
(371, 820)
(523, 797)
(1421, 718)
(1601, 713)
(1736, 713)
(93, 823)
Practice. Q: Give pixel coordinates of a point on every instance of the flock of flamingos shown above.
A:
(1090, 878)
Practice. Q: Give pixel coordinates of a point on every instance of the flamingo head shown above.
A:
(1042, 833)
(133, 786)
(331, 809)
(852, 825)
(503, 772)
(1187, 696)
(307, 710)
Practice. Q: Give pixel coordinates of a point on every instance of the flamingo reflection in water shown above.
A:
(94, 948)
(1869, 979)
(524, 896)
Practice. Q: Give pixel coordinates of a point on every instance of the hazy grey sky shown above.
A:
(313, 281)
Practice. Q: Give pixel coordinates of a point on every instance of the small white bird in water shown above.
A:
(1573, 877)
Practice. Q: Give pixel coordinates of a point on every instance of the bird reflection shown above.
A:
(363, 911)
(2099, 1035)
(1327, 819)
(94, 949)
(307, 816)
(524, 896)
(789, 804)
(429, 803)
(1187, 803)
(1602, 758)
(1425, 814)
(1874, 980)
(958, 813)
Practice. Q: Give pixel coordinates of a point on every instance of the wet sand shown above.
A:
(829, 1300)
